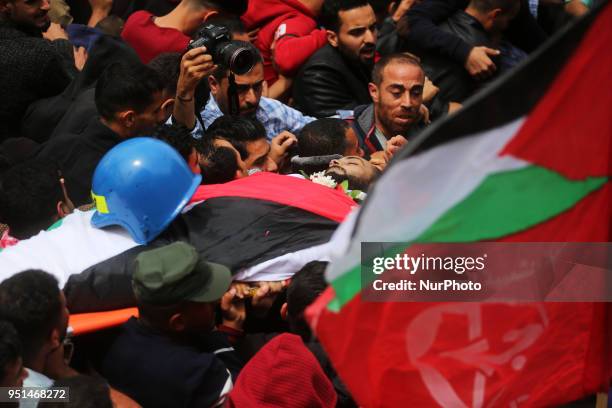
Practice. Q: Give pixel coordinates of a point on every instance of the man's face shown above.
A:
(352, 143)
(358, 171)
(153, 115)
(27, 13)
(258, 156)
(398, 98)
(356, 37)
(249, 87)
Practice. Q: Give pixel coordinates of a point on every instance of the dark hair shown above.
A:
(381, 6)
(29, 193)
(398, 57)
(323, 137)
(237, 130)
(222, 70)
(233, 24)
(30, 300)
(85, 392)
(231, 7)
(168, 67)
(177, 136)
(330, 14)
(485, 6)
(126, 86)
(10, 347)
(221, 166)
(306, 285)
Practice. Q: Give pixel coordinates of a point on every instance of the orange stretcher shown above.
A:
(83, 323)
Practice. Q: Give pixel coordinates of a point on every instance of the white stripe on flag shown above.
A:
(414, 193)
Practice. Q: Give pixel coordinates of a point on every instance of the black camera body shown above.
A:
(218, 42)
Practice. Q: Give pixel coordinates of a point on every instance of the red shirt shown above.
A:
(289, 28)
(150, 40)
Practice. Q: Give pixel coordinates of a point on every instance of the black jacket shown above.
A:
(364, 125)
(158, 371)
(454, 81)
(328, 82)
(70, 111)
(78, 155)
(31, 68)
(422, 33)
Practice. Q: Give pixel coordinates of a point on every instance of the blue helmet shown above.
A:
(141, 184)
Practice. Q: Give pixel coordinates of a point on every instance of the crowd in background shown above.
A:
(334, 89)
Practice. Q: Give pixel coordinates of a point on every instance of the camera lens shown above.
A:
(240, 60)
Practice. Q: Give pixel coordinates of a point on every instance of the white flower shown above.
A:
(321, 178)
(361, 196)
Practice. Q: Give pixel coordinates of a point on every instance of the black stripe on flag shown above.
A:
(242, 232)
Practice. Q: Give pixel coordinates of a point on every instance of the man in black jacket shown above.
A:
(30, 67)
(129, 101)
(482, 24)
(420, 31)
(171, 355)
(337, 75)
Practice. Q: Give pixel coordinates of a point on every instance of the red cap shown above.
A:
(284, 373)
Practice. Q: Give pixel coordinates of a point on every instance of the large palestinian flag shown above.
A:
(527, 160)
(263, 227)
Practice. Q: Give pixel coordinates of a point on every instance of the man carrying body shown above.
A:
(177, 293)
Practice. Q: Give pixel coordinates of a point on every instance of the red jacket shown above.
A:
(288, 29)
(150, 40)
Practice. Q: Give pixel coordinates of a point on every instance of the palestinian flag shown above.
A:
(264, 227)
(527, 160)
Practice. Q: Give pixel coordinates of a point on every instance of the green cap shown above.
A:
(175, 273)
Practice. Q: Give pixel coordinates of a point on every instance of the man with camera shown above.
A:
(236, 90)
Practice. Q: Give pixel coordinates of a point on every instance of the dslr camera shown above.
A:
(218, 42)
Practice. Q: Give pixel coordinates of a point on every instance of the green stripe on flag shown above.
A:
(503, 204)
(509, 202)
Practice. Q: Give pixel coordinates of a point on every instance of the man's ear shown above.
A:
(373, 89)
(55, 339)
(127, 119)
(168, 106)
(332, 38)
(63, 209)
(177, 322)
(493, 15)
(283, 311)
(209, 14)
(213, 85)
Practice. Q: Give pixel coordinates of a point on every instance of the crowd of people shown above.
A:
(114, 130)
